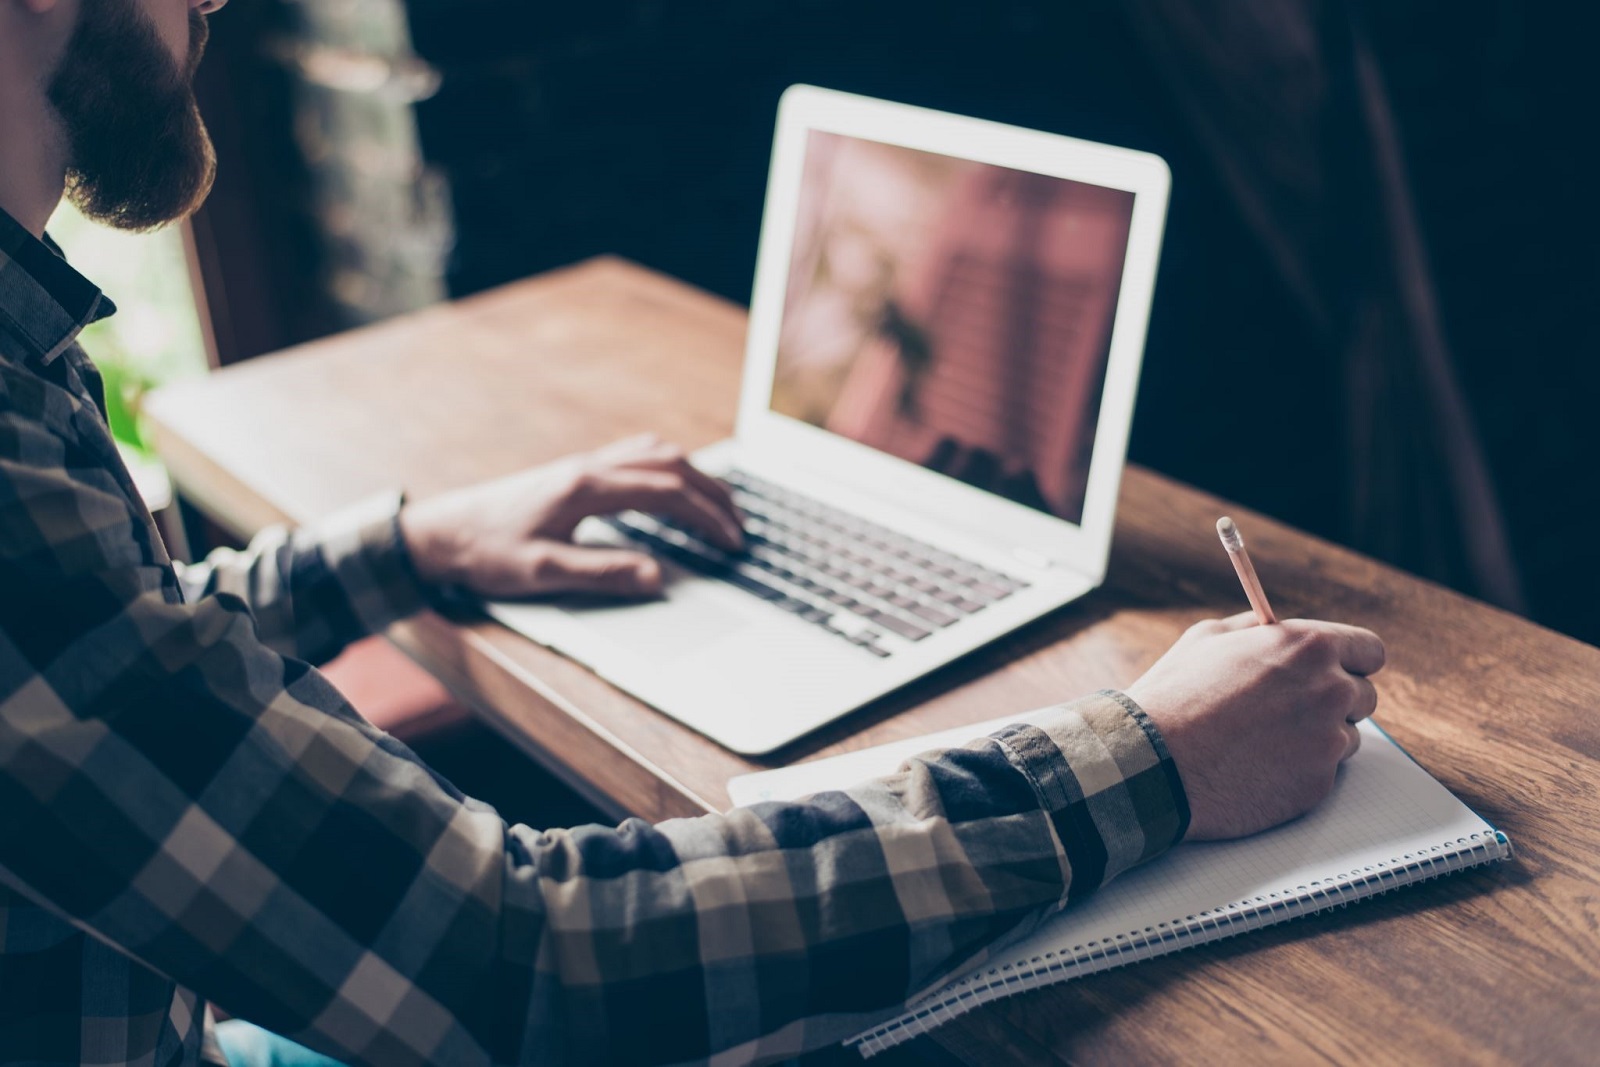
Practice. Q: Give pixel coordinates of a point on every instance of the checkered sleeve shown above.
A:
(815, 920)
(215, 811)
(314, 590)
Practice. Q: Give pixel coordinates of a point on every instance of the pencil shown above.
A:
(1233, 541)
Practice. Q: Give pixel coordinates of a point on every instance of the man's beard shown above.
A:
(138, 153)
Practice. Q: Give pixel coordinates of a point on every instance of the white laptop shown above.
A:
(945, 336)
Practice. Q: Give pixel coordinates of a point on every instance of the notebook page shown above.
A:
(1384, 808)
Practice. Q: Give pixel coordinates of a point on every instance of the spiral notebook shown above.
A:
(1388, 823)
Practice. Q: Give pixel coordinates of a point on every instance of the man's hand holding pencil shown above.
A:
(1258, 714)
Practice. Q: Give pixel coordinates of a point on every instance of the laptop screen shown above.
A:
(954, 314)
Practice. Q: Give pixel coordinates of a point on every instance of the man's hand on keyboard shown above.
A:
(513, 537)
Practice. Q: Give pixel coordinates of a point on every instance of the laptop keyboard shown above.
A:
(851, 577)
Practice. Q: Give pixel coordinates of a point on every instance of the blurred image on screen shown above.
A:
(954, 314)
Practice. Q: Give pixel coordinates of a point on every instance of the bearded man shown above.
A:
(189, 813)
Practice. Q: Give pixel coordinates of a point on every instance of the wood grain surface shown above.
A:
(1500, 965)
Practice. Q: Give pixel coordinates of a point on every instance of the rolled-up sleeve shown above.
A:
(314, 589)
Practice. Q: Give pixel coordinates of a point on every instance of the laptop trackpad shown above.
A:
(693, 615)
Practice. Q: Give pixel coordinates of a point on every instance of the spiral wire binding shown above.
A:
(1212, 924)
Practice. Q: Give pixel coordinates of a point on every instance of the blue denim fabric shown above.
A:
(247, 1045)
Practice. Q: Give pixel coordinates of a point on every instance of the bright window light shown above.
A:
(156, 335)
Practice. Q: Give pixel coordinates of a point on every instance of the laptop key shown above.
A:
(932, 614)
(906, 629)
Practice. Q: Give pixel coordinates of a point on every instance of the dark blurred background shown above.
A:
(1375, 311)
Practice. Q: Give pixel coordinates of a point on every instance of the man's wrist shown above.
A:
(430, 549)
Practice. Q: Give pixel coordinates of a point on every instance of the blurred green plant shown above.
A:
(155, 337)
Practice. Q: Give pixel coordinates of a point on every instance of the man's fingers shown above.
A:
(647, 452)
(1366, 699)
(680, 499)
(1352, 741)
(670, 458)
(1360, 650)
(554, 567)
(714, 490)
(662, 493)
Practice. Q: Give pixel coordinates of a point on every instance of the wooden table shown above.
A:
(1498, 965)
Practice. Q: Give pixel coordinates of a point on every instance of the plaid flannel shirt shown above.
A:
(189, 812)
